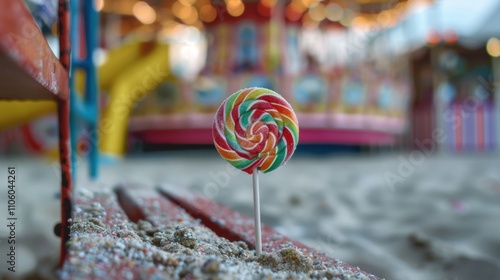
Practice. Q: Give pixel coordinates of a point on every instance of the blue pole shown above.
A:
(84, 109)
(74, 99)
(91, 96)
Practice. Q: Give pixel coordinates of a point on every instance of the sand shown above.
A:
(440, 222)
(102, 240)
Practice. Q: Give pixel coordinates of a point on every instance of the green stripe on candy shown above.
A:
(241, 163)
(278, 160)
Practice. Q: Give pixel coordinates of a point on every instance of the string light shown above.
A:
(385, 18)
(317, 13)
(235, 7)
(334, 12)
(181, 10)
(433, 37)
(493, 47)
(292, 12)
(450, 36)
(99, 5)
(144, 13)
(347, 18)
(208, 13)
(268, 3)
(192, 17)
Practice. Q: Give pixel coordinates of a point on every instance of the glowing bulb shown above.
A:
(317, 13)
(182, 11)
(385, 18)
(433, 37)
(493, 47)
(299, 6)
(192, 17)
(268, 3)
(334, 12)
(347, 18)
(144, 13)
(208, 13)
(235, 8)
(99, 4)
(292, 13)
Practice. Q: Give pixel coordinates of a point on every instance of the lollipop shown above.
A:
(255, 129)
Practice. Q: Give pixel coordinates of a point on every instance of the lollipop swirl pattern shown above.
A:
(255, 128)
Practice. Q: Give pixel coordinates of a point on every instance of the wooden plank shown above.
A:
(102, 248)
(235, 226)
(28, 67)
(140, 202)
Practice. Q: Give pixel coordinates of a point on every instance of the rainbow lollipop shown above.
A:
(256, 129)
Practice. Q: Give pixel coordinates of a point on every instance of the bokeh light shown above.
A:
(263, 10)
(235, 8)
(334, 12)
(293, 12)
(385, 18)
(208, 13)
(268, 3)
(182, 10)
(450, 36)
(317, 12)
(144, 13)
(347, 18)
(493, 47)
(99, 5)
(433, 37)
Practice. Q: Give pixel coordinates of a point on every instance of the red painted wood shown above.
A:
(64, 133)
(234, 226)
(28, 68)
(140, 202)
(115, 218)
(66, 179)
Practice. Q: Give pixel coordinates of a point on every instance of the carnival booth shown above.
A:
(453, 66)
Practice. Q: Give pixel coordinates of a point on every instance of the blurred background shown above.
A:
(397, 165)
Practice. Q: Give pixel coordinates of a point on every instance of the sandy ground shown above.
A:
(397, 216)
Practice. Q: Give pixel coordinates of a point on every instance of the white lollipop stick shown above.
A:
(256, 208)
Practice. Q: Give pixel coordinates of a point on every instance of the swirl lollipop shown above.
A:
(256, 129)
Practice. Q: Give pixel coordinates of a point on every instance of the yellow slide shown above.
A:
(14, 113)
(133, 82)
(130, 72)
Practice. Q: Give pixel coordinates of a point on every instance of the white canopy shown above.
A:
(474, 21)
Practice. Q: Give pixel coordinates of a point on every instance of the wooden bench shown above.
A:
(128, 206)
